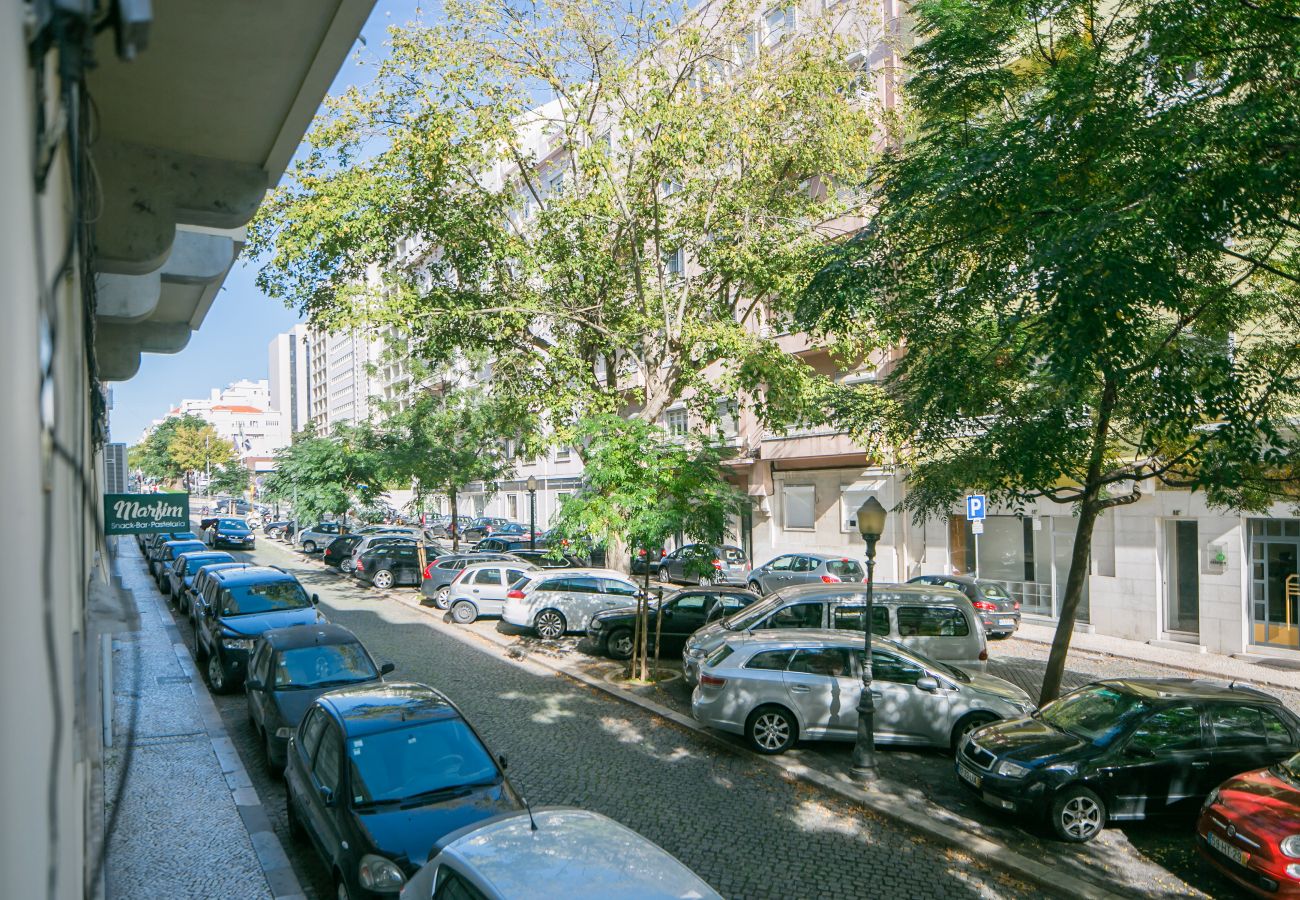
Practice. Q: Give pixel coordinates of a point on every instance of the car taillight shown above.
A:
(1017, 605)
(984, 654)
(712, 680)
(717, 564)
(361, 567)
(831, 579)
(428, 571)
(640, 553)
(515, 595)
(985, 605)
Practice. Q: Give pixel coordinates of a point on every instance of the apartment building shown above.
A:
(243, 414)
(290, 390)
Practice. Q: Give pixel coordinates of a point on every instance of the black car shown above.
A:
(293, 666)
(201, 575)
(377, 774)
(647, 561)
(278, 529)
(441, 571)
(181, 577)
(507, 544)
(228, 532)
(483, 526)
(166, 558)
(236, 607)
(998, 610)
(544, 560)
(392, 564)
(1124, 750)
(339, 553)
(685, 612)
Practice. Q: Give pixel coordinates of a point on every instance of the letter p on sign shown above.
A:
(975, 507)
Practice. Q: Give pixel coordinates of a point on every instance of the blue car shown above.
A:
(228, 533)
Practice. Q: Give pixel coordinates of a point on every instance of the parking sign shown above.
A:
(975, 507)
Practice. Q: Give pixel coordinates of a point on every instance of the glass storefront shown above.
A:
(1275, 582)
(1031, 557)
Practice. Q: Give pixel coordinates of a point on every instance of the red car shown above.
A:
(1250, 829)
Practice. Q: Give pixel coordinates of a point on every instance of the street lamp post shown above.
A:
(871, 525)
(532, 512)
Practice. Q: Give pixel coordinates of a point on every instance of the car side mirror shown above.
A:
(315, 599)
(928, 684)
(501, 760)
(327, 795)
(387, 667)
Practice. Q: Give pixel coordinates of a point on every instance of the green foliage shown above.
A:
(668, 150)
(233, 478)
(1087, 246)
(152, 456)
(199, 448)
(328, 475)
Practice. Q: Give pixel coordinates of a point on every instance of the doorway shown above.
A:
(1275, 582)
(1182, 579)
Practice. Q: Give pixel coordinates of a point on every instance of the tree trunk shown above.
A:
(659, 627)
(636, 638)
(455, 521)
(1080, 563)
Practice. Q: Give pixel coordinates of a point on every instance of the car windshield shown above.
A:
(249, 599)
(187, 547)
(232, 525)
(316, 667)
(994, 590)
(750, 614)
(1097, 713)
(417, 763)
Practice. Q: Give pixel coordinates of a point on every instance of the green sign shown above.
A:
(143, 513)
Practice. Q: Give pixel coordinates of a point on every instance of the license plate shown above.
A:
(969, 776)
(1218, 843)
(1006, 621)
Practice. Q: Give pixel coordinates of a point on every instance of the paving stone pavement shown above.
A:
(749, 831)
(180, 832)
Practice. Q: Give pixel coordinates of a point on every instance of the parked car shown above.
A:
(201, 575)
(278, 529)
(776, 687)
(516, 531)
(393, 564)
(998, 610)
(704, 564)
(441, 571)
(236, 507)
(554, 603)
(290, 668)
(646, 561)
(181, 576)
(403, 536)
(804, 568)
(483, 526)
(229, 533)
(543, 559)
(167, 553)
(509, 544)
(480, 589)
(338, 553)
(1249, 827)
(238, 605)
(575, 853)
(936, 622)
(153, 546)
(378, 774)
(318, 536)
(1126, 749)
(685, 612)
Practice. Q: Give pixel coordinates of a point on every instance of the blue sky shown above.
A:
(232, 342)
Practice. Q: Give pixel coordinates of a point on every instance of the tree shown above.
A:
(1086, 249)
(328, 475)
(628, 243)
(641, 487)
(152, 456)
(232, 478)
(197, 448)
(448, 439)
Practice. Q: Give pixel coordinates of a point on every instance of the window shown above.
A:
(799, 502)
(771, 660)
(450, 886)
(1246, 726)
(326, 767)
(778, 24)
(894, 669)
(781, 564)
(849, 618)
(801, 615)
(845, 569)
(802, 564)
(587, 585)
(829, 661)
(488, 576)
(512, 501)
(676, 422)
(306, 667)
(618, 588)
(674, 262)
(514, 575)
(931, 621)
(690, 603)
(562, 455)
(1168, 731)
(555, 184)
(851, 500)
(312, 730)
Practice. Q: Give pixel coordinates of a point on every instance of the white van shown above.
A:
(936, 622)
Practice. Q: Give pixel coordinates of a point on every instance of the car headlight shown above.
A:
(379, 874)
(237, 643)
(695, 651)
(1008, 769)
(285, 732)
(597, 624)
(1291, 846)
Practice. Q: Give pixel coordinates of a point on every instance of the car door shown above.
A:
(775, 575)
(824, 691)
(905, 713)
(1163, 766)
(486, 587)
(613, 593)
(406, 565)
(683, 616)
(801, 570)
(798, 615)
(259, 668)
(1245, 737)
(324, 799)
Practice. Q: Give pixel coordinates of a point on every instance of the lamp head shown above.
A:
(871, 520)
(531, 483)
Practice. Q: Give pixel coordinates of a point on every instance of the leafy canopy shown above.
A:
(196, 448)
(152, 456)
(329, 474)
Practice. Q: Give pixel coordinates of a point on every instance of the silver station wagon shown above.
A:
(777, 687)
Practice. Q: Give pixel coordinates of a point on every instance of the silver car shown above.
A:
(777, 687)
(318, 537)
(804, 568)
(704, 564)
(480, 589)
(558, 601)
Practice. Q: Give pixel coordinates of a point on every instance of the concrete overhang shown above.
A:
(189, 137)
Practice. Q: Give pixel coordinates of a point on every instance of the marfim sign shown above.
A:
(143, 513)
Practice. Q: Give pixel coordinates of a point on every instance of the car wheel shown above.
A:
(968, 724)
(347, 566)
(1078, 815)
(442, 599)
(463, 612)
(771, 729)
(217, 675)
(619, 643)
(383, 579)
(308, 546)
(549, 624)
(756, 588)
(275, 534)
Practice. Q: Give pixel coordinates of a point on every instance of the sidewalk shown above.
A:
(190, 824)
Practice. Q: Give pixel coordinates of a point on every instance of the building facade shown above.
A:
(242, 414)
(287, 368)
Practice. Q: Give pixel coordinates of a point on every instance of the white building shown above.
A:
(242, 414)
(290, 389)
